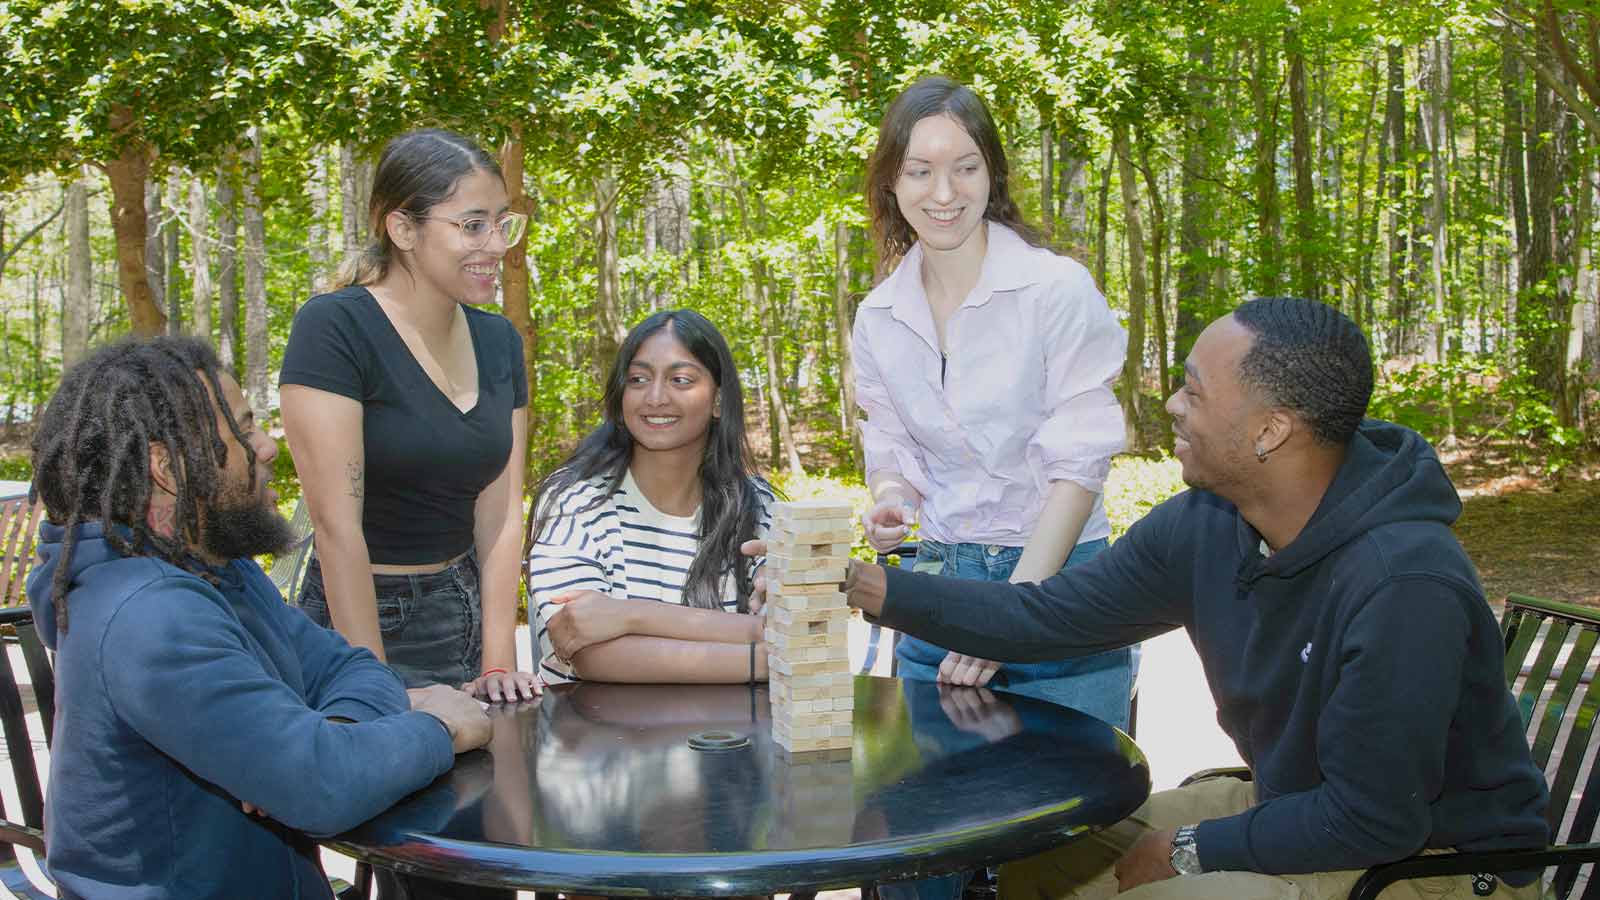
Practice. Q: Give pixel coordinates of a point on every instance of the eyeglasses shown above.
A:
(475, 230)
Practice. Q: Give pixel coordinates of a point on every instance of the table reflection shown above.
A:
(596, 787)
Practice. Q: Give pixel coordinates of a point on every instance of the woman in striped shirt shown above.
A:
(635, 570)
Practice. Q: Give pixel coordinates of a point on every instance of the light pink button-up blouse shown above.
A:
(1024, 399)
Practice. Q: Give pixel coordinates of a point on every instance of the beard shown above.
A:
(242, 526)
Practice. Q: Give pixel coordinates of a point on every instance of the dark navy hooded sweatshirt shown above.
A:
(178, 699)
(1358, 670)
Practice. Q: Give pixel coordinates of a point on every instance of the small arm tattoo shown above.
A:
(353, 471)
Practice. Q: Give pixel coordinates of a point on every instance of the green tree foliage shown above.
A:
(709, 153)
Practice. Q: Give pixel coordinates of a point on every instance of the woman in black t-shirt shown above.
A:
(406, 411)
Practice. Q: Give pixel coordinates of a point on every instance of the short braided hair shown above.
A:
(1310, 358)
(91, 453)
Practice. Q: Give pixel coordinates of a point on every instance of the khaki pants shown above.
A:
(1085, 868)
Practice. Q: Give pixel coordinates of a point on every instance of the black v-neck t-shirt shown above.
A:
(426, 460)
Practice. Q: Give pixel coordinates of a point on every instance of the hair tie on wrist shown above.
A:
(496, 670)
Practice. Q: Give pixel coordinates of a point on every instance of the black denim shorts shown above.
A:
(432, 625)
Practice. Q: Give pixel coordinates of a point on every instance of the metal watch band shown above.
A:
(1185, 853)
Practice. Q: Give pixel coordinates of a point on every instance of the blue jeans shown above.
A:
(1099, 685)
(432, 625)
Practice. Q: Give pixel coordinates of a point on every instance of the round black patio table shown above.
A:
(633, 790)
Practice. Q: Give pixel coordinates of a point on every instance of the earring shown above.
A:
(1261, 453)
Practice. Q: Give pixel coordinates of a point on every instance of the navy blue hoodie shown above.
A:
(1358, 670)
(177, 700)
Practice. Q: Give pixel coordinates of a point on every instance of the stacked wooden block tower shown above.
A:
(808, 668)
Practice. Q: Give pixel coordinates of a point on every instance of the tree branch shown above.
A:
(1551, 25)
(5, 255)
(1584, 111)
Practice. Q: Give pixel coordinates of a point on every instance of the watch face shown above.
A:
(1185, 856)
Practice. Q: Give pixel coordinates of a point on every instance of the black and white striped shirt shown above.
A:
(621, 546)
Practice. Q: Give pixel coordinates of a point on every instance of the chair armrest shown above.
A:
(22, 836)
(1239, 772)
(1375, 879)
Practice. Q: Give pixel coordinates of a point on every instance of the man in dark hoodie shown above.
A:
(203, 726)
(1344, 635)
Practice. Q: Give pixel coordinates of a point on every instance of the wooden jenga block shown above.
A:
(787, 644)
(810, 509)
(776, 588)
(834, 565)
(782, 686)
(821, 597)
(804, 533)
(823, 709)
(798, 719)
(803, 668)
(809, 622)
(830, 576)
(809, 550)
(824, 747)
(786, 709)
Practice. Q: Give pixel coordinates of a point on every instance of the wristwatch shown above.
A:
(1185, 853)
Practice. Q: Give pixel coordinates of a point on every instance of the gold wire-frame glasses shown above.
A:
(475, 230)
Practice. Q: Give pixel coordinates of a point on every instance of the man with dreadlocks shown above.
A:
(1342, 628)
(203, 725)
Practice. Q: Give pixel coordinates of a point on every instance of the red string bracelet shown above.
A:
(494, 671)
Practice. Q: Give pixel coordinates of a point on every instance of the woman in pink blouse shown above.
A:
(984, 365)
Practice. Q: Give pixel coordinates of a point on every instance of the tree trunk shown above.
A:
(255, 279)
(1536, 303)
(1434, 77)
(317, 232)
(127, 173)
(608, 301)
(1047, 174)
(228, 263)
(1133, 365)
(155, 256)
(1366, 237)
(200, 275)
(170, 220)
(649, 229)
(355, 185)
(1589, 287)
(1307, 281)
(780, 409)
(1072, 220)
(843, 318)
(517, 299)
(1194, 304)
(1395, 131)
(78, 303)
(1158, 281)
(1100, 221)
(1511, 82)
(1269, 240)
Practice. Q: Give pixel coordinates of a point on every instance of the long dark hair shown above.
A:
(91, 454)
(730, 505)
(416, 172)
(934, 95)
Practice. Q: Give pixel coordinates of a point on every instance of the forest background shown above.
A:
(1430, 167)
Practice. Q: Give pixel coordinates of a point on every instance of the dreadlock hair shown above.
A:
(730, 507)
(91, 453)
(1310, 358)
